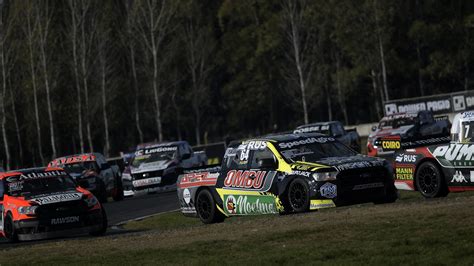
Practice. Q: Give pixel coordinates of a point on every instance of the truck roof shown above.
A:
(281, 137)
(28, 171)
(319, 124)
(160, 144)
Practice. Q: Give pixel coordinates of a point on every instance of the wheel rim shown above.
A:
(428, 180)
(298, 196)
(204, 207)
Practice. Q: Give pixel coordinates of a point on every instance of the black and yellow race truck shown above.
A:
(288, 173)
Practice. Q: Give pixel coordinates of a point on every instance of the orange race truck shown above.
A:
(43, 203)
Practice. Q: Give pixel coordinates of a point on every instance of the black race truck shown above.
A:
(156, 166)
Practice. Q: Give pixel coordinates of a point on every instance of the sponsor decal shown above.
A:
(328, 190)
(472, 177)
(468, 115)
(454, 155)
(15, 186)
(187, 196)
(356, 165)
(458, 177)
(191, 210)
(390, 144)
(57, 198)
(146, 182)
(320, 204)
(305, 167)
(301, 173)
(247, 146)
(249, 180)
(316, 128)
(230, 204)
(368, 186)
(73, 159)
(148, 151)
(65, 220)
(404, 172)
(406, 158)
(253, 145)
(249, 204)
(291, 144)
(36, 175)
(198, 179)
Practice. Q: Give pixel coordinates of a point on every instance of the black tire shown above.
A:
(430, 181)
(102, 194)
(206, 208)
(298, 196)
(9, 229)
(104, 225)
(391, 196)
(118, 194)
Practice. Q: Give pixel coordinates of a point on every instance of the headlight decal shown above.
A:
(27, 210)
(325, 176)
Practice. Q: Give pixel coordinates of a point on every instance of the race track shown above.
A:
(133, 208)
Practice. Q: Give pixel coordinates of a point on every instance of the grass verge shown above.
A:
(412, 231)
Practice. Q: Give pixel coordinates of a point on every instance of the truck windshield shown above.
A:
(29, 187)
(78, 168)
(405, 121)
(144, 156)
(317, 151)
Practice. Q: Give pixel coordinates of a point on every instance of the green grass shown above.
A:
(413, 231)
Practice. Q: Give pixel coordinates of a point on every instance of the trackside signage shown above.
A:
(249, 204)
(439, 104)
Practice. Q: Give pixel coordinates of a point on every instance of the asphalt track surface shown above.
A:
(128, 209)
(141, 206)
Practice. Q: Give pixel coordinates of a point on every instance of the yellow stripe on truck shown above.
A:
(283, 166)
(321, 204)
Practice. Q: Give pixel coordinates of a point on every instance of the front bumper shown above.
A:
(60, 233)
(352, 187)
(41, 228)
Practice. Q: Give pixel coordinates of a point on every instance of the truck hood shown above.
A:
(153, 166)
(352, 162)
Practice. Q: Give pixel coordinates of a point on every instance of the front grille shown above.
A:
(62, 209)
(362, 185)
(147, 175)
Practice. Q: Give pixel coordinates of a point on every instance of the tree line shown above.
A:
(83, 75)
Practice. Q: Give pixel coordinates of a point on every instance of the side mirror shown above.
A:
(374, 128)
(186, 156)
(268, 163)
